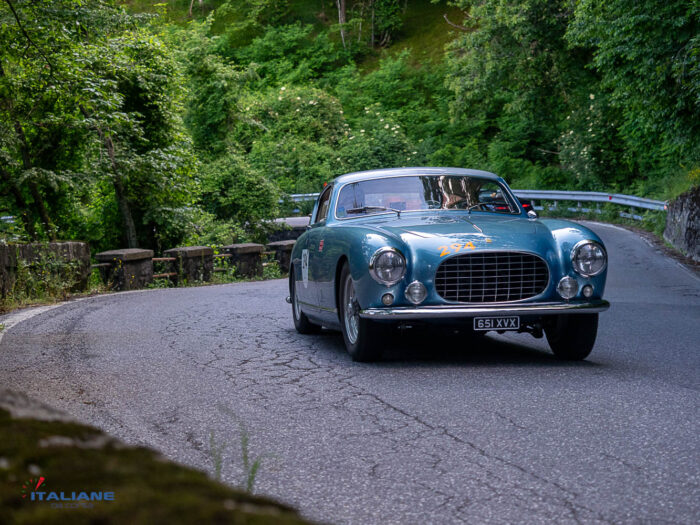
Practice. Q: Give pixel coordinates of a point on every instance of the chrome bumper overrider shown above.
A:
(454, 311)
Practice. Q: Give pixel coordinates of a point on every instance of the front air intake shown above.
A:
(491, 277)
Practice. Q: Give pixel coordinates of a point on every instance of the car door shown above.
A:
(314, 247)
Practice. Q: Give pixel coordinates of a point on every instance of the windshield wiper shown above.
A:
(363, 209)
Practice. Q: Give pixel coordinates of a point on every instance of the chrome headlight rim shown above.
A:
(373, 265)
(574, 252)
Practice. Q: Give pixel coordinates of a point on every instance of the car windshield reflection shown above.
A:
(423, 192)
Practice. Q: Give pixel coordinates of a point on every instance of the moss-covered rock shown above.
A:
(147, 488)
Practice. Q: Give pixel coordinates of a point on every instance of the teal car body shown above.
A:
(426, 238)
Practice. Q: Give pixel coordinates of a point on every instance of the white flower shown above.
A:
(362, 131)
(386, 126)
(298, 98)
(591, 96)
(413, 153)
(381, 120)
(351, 137)
(590, 108)
(297, 109)
(282, 88)
(279, 98)
(341, 111)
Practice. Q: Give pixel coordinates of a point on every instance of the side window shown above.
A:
(323, 204)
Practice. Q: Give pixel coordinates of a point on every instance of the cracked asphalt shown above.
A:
(445, 430)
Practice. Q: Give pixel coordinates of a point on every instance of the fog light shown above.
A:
(587, 291)
(387, 299)
(416, 292)
(567, 287)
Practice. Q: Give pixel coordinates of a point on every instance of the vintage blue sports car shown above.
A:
(443, 245)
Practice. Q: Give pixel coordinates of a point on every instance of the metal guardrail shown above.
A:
(592, 196)
(556, 195)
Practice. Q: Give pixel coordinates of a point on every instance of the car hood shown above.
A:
(459, 226)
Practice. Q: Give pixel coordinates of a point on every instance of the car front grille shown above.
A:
(491, 277)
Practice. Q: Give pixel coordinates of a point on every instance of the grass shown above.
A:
(424, 32)
(652, 221)
(147, 489)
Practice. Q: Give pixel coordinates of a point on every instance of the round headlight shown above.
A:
(567, 287)
(387, 266)
(588, 258)
(416, 292)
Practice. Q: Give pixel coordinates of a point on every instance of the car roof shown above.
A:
(395, 172)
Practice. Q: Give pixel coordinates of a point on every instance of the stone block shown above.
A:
(683, 223)
(283, 253)
(130, 268)
(75, 254)
(247, 258)
(193, 263)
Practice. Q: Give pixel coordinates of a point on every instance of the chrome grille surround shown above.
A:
(491, 277)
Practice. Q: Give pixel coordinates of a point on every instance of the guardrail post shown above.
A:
(247, 258)
(283, 253)
(129, 269)
(192, 263)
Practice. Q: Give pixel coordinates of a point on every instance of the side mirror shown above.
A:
(532, 214)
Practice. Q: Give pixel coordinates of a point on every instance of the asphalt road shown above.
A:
(442, 431)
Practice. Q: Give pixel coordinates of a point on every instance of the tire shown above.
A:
(362, 337)
(571, 337)
(301, 322)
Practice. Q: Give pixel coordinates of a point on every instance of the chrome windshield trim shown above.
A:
(449, 311)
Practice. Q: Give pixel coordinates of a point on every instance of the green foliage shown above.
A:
(648, 56)
(291, 54)
(232, 190)
(124, 129)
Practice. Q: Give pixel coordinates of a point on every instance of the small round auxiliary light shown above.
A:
(587, 291)
(416, 292)
(387, 299)
(567, 287)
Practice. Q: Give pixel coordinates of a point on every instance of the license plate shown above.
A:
(496, 323)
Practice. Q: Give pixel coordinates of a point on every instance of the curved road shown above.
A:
(442, 431)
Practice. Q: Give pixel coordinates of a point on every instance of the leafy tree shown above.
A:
(647, 53)
(89, 96)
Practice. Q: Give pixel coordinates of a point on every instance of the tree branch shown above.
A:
(26, 35)
(457, 26)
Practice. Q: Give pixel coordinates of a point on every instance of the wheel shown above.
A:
(572, 337)
(362, 336)
(301, 322)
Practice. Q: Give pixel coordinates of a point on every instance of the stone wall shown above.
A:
(77, 272)
(683, 223)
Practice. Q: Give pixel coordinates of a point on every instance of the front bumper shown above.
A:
(456, 311)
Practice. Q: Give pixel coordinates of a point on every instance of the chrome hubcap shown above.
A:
(351, 310)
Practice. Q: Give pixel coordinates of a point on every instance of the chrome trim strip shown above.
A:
(442, 312)
(317, 307)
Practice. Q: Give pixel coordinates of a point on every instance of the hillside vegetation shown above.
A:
(145, 124)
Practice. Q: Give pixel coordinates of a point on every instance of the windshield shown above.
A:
(423, 192)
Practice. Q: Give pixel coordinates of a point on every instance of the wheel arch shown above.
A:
(339, 268)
